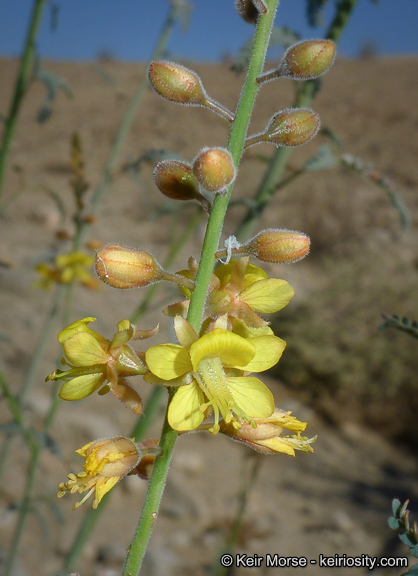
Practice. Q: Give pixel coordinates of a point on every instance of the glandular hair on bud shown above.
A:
(292, 127)
(124, 268)
(177, 83)
(278, 246)
(214, 168)
(307, 59)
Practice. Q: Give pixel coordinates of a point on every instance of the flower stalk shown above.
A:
(22, 85)
(236, 141)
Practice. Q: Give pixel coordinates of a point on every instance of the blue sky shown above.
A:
(127, 29)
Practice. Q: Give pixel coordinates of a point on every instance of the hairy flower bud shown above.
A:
(292, 127)
(278, 246)
(177, 83)
(307, 60)
(249, 10)
(214, 168)
(106, 462)
(177, 181)
(267, 436)
(123, 267)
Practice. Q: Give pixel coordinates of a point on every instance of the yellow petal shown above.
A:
(251, 396)
(229, 347)
(184, 332)
(180, 381)
(83, 349)
(103, 488)
(242, 329)
(278, 445)
(81, 326)
(81, 387)
(184, 411)
(221, 322)
(268, 350)
(168, 361)
(123, 335)
(268, 296)
(252, 273)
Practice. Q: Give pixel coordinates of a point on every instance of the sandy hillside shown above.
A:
(355, 386)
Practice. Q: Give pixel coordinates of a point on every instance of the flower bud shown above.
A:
(249, 10)
(123, 267)
(278, 246)
(177, 181)
(177, 83)
(266, 436)
(307, 60)
(214, 168)
(292, 127)
(106, 462)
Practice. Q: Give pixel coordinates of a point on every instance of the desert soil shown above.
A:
(335, 501)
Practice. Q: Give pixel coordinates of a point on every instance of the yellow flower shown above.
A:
(266, 437)
(212, 372)
(107, 461)
(68, 268)
(93, 360)
(239, 290)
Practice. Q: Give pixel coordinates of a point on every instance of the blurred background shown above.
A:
(353, 189)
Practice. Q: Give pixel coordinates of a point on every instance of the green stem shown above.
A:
(147, 417)
(92, 516)
(24, 510)
(213, 231)
(236, 141)
(21, 86)
(36, 451)
(130, 114)
(281, 157)
(152, 502)
(41, 347)
(33, 369)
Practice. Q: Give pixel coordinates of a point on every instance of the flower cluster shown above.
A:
(67, 268)
(210, 370)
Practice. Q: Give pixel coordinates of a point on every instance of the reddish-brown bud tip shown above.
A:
(177, 83)
(214, 168)
(308, 59)
(124, 268)
(279, 246)
(292, 127)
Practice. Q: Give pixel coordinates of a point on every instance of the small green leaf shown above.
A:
(394, 523)
(396, 504)
(413, 570)
(407, 540)
(414, 552)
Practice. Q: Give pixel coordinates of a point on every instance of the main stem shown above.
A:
(281, 157)
(213, 231)
(130, 114)
(21, 86)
